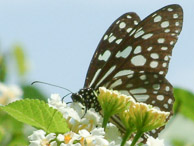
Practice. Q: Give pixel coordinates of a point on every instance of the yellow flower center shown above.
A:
(67, 138)
(45, 142)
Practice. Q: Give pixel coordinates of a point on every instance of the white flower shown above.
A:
(39, 138)
(9, 94)
(113, 134)
(77, 144)
(70, 113)
(92, 118)
(69, 137)
(154, 142)
(95, 138)
(55, 101)
(78, 107)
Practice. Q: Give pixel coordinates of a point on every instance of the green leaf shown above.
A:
(20, 60)
(3, 69)
(180, 142)
(184, 103)
(32, 93)
(38, 114)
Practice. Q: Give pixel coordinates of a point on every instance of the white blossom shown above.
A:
(9, 93)
(39, 138)
(154, 142)
(96, 137)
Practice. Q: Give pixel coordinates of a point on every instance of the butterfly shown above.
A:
(133, 57)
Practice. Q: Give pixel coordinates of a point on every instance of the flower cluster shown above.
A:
(93, 130)
(9, 94)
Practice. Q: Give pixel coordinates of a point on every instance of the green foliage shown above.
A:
(9, 132)
(20, 60)
(178, 142)
(32, 93)
(38, 114)
(184, 103)
(3, 69)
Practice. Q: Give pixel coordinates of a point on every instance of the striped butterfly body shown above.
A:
(133, 57)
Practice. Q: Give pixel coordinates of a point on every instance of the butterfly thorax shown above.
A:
(88, 98)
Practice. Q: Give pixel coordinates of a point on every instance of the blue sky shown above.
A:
(61, 36)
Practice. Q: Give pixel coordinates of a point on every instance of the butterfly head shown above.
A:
(87, 97)
(76, 97)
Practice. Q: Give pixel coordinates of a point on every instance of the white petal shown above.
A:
(154, 142)
(98, 132)
(37, 135)
(84, 133)
(51, 136)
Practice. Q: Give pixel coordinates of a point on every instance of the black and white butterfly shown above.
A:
(133, 57)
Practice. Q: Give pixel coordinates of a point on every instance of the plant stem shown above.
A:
(126, 137)
(105, 120)
(137, 136)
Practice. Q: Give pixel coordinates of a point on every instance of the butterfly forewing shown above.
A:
(109, 43)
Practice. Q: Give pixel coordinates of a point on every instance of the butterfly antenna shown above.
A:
(65, 96)
(39, 82)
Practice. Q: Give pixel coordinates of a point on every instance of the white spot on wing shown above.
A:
(129, 85)
(160, 97)
(156, 86)
(164, 48)
(135, 22)
(116, 83)
(172, 43)
(137, 50)
(153, 64)
(138, 91)
(138, 34)
(129, 17)
(122, 25)
(149, 48)
(107, 73)
(169, 101)
(111, 39)
(167, 30)
(124, 92)
(129, 29)
(141, 98)
(125, 53)
(123, 73)
(104, 56)
(157, 18)
(167, 88)
(165, 24)
(118, 41)
(177, 23)
(175, 16)
(138, 60)
(105, 37)
(170, 9)
(143, 77)
(154, 55)
(95, 76)
(164, 64)
(147, 36)
(132, 32)
(161, 40)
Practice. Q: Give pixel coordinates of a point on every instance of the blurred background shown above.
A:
(54, 41)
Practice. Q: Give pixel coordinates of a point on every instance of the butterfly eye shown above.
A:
(77, 98)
